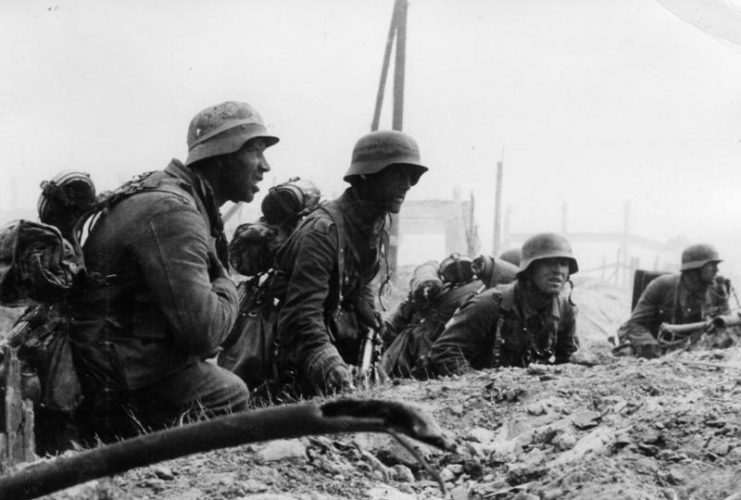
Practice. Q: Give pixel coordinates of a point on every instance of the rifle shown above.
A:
(369, 357)
(671, 336)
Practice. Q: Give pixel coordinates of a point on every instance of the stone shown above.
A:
(163, 472)
(386, 492)
(586, 419)
(447, 475)
(481, 435)
(282, 449)
(459, 493)
(403, 474)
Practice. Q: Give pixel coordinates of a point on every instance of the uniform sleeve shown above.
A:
(720, 294)
(467, 341)
(301, 320)
(398, 319)
(645, 314)
(567, 342)
(185, 278)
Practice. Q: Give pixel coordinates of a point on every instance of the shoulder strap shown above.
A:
(339, 225)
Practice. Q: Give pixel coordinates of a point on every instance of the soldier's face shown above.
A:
(245, 169)
(550, 275)
(388, 188)
(708, 272)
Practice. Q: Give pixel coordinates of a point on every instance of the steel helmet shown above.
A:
(296, 197)
(456, 269)
(223, 129)
(493, 271)
(67, 194)
(513, 256)
(696, 256)
(377, 150)
(546, 246)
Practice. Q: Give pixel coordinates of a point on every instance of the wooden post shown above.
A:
(400, 22)
(496, 246)
(384, 71)
(16, 436)
(400, 12)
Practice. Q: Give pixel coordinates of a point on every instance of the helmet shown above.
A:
(546, 246)
(512, 256)
(494, 271)
(456, 269)
(68, 194)
(294, 197)
(223, 129)
(696, 256)
(375, 151)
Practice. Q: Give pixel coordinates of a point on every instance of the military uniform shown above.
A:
(141, 339)
(675, 299)
(500, 327)
(406, 354)
(320, 320)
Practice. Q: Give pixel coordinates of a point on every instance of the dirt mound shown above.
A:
(623, 428)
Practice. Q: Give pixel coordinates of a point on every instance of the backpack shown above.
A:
(251, 350)
(42, 268)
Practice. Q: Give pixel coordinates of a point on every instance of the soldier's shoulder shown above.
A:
(318, 220)
(668, 279)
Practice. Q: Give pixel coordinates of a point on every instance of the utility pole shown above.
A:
(497, 242)
(397, 34)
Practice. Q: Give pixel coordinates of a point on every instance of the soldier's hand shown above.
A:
(340, 379)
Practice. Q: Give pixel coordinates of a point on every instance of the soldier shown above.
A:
(422, 322)
(694, 294)
(511, 255)
(163, 301)
(519, 323)
(325, 268)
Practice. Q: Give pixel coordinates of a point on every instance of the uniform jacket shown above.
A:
(166, 303)
(499, 327)
(677, 299)
(317, 319)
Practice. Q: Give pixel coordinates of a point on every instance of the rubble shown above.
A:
(617, 428)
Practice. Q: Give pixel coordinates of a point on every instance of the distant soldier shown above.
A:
(695, 294)
(519, 323)
(511, 255)
(325, 268)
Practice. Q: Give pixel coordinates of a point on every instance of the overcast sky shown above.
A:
(590, 102)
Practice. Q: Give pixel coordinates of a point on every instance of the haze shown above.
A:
(588, 102)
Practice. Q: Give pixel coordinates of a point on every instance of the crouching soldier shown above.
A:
(142, 337)
(516, 324)
(324, 270)
(695, 294)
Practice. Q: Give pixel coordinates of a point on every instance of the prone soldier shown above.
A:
(695, 294)
(526, 321)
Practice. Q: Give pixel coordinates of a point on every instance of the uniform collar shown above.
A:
(520, 294)
(200, 188)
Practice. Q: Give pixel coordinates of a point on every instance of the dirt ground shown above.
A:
(599, 428)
